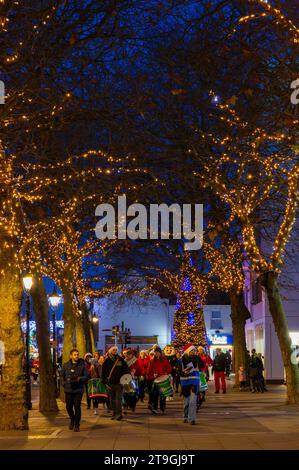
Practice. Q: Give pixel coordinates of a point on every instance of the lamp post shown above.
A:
(54, 300)
(27, 283)
(95, 329)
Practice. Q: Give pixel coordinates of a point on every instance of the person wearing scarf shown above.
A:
(114, 367)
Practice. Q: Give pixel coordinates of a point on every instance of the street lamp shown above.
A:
(94, 318)
(27, 283)
(54, 300)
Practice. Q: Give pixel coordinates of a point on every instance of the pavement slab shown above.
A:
(235, 421)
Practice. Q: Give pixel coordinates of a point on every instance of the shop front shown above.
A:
(220, 340)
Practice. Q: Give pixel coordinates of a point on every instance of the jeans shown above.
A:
(73, 407)
(190, 404)
(116, 399)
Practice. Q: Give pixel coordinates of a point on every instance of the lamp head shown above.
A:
(27, 282)
(54, 298)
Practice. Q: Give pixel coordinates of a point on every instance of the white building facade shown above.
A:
(150, 321)
(260, 330)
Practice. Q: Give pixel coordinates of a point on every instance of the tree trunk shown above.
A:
(13, 408)
(80, 339)
(239, 315)
(269, 281)
(69, 323)
(47, 391)
(91, 333)
(69, 328)
(89, 343)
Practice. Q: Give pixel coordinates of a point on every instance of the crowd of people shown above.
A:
(118, 381)
(251, 376)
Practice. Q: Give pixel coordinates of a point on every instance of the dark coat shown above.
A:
(219, 363)
(120, 369)
(74, 376)
(255, 366)
(185, 359)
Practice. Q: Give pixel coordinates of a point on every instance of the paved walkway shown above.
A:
(225, 422)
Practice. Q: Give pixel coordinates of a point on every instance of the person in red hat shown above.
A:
(156, 368)
(190, 366)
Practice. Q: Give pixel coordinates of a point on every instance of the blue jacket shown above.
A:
(74, 376)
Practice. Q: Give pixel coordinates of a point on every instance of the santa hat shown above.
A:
(143, 351)
(87, 355)
(126, 350)
(113, 348)
(188, 348)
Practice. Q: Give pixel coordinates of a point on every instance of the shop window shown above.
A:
(256, 292)
(216, 321)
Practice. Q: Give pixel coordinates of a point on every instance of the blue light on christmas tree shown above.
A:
(191, 319)
(187, 285)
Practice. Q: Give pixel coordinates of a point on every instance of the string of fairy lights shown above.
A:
(258, 171)
(276, 14)
(64, 252)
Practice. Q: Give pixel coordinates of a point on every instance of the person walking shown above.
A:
(206, 359)
(177, 377)
(170, 354)
(228, 364)
(189, 368)
(206, 362)
(260, 373)
(114, 367)
(143, 361)
(149, 378)
(94, 373)
(218, 369)
(253, 372)
(73, 377)
(87, 359)
(105, 401)
(158, 367)
(131, 398)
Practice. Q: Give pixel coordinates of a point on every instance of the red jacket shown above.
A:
(207, 361)
(158, 367)
(143, 364)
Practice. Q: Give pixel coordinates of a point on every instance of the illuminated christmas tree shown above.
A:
(189, 323)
